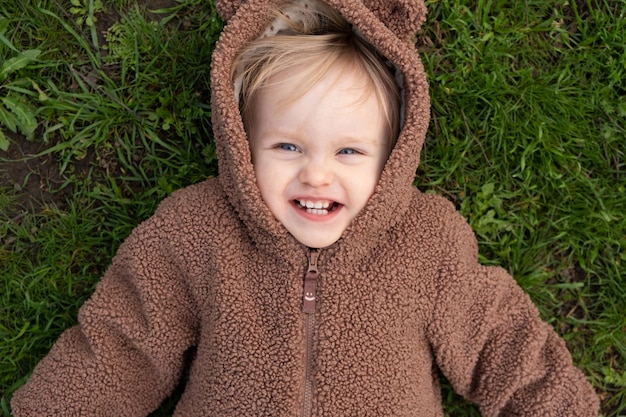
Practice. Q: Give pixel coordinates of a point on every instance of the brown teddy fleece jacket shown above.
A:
(399, 294)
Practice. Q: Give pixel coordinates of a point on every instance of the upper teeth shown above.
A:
(314, 204)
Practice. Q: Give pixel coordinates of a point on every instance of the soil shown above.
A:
(34, 178)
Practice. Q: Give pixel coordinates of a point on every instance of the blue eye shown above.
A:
(348, 151)
(287, 147)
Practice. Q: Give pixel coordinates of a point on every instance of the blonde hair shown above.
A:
(312, 38)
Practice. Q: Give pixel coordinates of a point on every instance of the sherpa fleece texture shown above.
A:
(213, 282)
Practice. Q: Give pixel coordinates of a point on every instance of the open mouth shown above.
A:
(317, 207)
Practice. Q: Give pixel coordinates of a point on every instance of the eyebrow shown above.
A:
(279, 132)
(296, 135)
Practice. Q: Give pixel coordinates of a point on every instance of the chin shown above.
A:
(320, 243)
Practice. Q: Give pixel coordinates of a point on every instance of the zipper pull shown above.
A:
(310, 283)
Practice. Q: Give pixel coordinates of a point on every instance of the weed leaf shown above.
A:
(7, 119)
(26, 121)
(18, 62)
(4, 142)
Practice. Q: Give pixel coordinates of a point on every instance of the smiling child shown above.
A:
(318, 159)
(310, 278)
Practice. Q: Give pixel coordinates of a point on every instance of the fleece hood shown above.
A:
(390, 27)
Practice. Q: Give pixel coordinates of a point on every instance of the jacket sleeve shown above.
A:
(127, 352)
(491, 344)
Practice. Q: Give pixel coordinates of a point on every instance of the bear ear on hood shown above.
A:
(227, 8)
(402, 17)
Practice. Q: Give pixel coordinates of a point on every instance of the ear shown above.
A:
(227, 8)
(403, 17)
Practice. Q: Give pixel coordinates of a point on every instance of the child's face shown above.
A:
(317, 159)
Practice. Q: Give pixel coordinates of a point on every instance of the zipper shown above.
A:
(310, 283)
(309, 306)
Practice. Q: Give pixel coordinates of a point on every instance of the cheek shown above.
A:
(261, 175)
(377, 171)
(269, 180)
(363, 184)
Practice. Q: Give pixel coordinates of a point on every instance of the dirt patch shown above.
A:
(35, 178)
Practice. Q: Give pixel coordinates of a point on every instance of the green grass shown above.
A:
(51, 260)
(527, 137)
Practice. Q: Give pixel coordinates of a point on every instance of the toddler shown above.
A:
(310, 278)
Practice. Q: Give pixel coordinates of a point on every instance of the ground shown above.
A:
(34, 176)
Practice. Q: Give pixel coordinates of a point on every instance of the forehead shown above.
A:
(293, 83)
(339, 105)
(349, 86)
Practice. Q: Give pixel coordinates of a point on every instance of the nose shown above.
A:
(316, 173)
